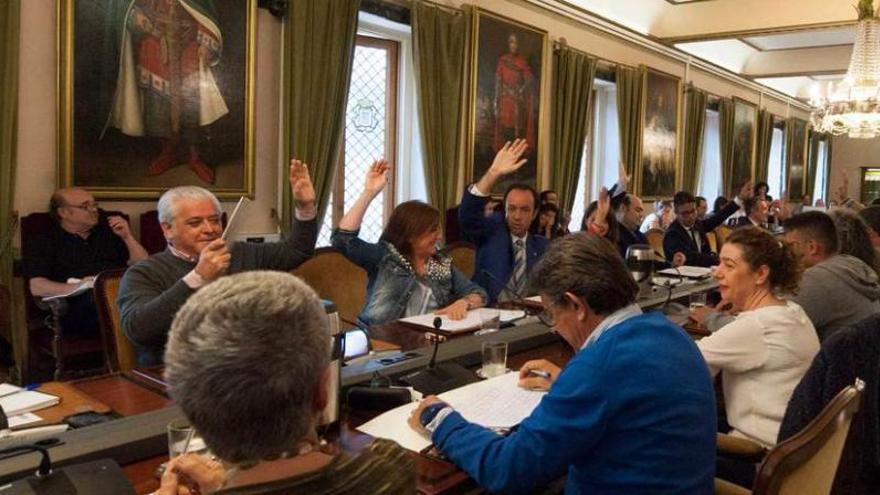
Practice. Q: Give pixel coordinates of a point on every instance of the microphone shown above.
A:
(436, 379)
(438, 322)
(529, 307)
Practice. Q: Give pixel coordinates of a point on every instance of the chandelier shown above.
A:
(852, 106)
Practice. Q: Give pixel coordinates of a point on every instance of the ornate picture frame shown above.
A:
(153, 95)
(796, 159)
(659, 166)
(745, 135)
(506, 93)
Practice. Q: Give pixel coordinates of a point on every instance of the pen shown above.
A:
(542, 374)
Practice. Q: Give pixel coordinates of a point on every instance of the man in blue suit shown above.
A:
(687, 235)
(506, 251)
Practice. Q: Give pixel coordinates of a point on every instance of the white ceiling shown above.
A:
(844, 35)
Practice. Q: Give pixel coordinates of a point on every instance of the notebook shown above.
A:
(26, 401)
(471, 322)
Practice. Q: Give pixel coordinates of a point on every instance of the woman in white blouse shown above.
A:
(765, 351)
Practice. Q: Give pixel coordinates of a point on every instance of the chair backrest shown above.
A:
(120, 352)
(453, 230)
(655, 239)
(713, 241)
(152, 238)
(722, 232)
(806, 463)
(336, 278)
(464, 256)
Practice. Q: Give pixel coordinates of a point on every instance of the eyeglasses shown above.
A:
(546, 317)
(88, 206)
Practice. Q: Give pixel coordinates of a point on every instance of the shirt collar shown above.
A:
(182, 255)
(615, 318)
(514, 238)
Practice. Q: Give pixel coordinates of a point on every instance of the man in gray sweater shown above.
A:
(836, 291)
(152, 291)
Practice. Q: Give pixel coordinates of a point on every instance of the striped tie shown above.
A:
(519, 267)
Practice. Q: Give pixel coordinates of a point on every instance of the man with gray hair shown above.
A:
(152, 291)
(247, 362)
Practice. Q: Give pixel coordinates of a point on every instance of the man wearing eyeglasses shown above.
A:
(79, 245)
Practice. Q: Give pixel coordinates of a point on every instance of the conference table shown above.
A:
(142, 391)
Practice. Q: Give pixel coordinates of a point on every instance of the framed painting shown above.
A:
(797, 158)
(506, 89)
(661, 117)
(745, 124)
(154, 94)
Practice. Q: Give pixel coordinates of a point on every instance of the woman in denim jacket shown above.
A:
(407, 276)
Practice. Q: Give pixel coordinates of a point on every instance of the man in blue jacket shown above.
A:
(506, 251)
(632, 412)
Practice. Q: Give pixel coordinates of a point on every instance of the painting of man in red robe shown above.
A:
(514, 97)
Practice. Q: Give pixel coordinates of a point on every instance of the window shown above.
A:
(821, 186)
(606, 138)
(370, 133)
(709, 184)
(776, 165)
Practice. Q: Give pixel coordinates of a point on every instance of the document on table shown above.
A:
(472, 321)
(697, 272)
(497, 402)
(26, 401)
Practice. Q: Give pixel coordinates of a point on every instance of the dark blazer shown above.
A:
(742, 222)
(494, 263)
(850, 353)
(627, 238)
(677, 239)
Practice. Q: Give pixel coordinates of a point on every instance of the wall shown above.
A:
(37, 153)
(848, 156)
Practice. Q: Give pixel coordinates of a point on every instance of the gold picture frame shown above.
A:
(495, 118)
(658, 169)
(796, 169)
(132, 125)
(745, 140)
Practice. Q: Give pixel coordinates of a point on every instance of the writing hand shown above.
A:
(530, 381)
(415, 416)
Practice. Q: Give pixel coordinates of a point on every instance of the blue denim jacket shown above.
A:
(391, 279)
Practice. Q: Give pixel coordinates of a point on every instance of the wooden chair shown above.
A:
(337, 279)
(655, 239)
(806, 463)
(713, 241)
(119, 350)
(722, 232)
(464, 256)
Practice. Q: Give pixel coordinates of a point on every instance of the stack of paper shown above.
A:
(495, 403)
(697, 272)
(16, 400)
(472, 321)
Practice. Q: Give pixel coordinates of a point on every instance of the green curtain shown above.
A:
(318, 48)
(9, 38)
(812, 161)
(762, 146)
(573, 74)
(695, 124)
(725, 128)
(630, 92)
(439, 36)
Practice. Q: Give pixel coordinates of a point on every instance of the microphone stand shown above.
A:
(438, 378)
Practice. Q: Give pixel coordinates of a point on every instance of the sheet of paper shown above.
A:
(236, 213)
(26, 401)
(23, 419)
(687, 271)
(8, 388)
(79, 289)
(496, 402)
(472, 321)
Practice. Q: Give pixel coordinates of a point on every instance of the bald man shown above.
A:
(80, 244)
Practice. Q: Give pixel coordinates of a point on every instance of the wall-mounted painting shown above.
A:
(506, 89)
(155, 94)
(797, 158)
(745, 123)
(662, 118)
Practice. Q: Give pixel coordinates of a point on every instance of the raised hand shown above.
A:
(301, 187)
(213, 260)
(119, 226)
(603, 207)
(624, 177)
(377, 177)
(507, 160)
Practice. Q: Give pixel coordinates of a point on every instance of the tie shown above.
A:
(519, 267)
(695, 237)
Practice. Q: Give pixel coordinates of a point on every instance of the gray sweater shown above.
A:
(152, 291)
(836, 293)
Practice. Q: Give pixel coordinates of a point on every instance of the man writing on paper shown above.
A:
(152, 291)
(633, 411)
(79, 245)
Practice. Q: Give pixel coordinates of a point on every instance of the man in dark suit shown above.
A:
(687, 235)
(506, 251)
(756, 210)
(629, 212)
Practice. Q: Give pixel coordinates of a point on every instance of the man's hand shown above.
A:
(507, 160)
(119, 226)
(532, 381)
(455, 311)
(301, 187)
(213, 260)
(746, 191)
(415, 416)
(377, 177)
(191, 474)
(603, 207)
(624, 177)
(678, 259)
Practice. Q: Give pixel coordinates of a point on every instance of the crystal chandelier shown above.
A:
(853, 106)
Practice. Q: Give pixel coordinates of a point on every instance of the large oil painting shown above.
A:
(155, 94)
(797, 158)
(506, 91)
(662, 116)
(745, 121)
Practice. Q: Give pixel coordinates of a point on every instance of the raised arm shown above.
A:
(120, 227)
(507, 161)
(377, 177)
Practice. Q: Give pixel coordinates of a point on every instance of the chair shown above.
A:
(44, 317)
(655, 239)
(453, 230)
(120, 352)
(722, 232)
(152, 238)
(464, 255)
(336, 278)
(806, 463)
(713, 241)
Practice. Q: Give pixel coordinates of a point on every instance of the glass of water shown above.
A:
(697, 300)
(183, 439)
(490, 320)
(494, 359)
